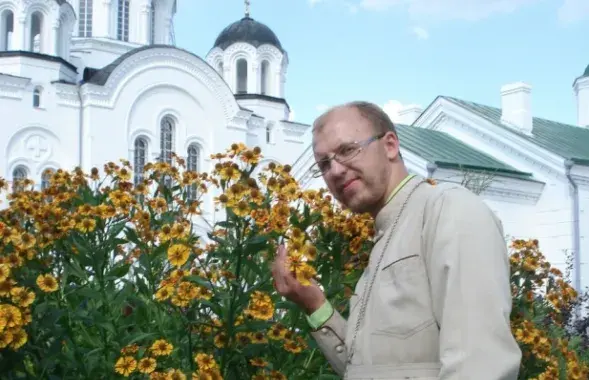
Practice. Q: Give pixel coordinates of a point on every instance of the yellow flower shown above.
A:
(4, 272)
(178, 254)
(205, 361)
(147, 365)
(47, 283)
(19, 338)
(126, 365)
(161, 348)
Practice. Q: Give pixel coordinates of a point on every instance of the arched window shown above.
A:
(139, 159)
(241, 70)
(265, 77)
(36, 42)
(123, 20)
(46, 178)
(19, 174)
(220, 68)
(37, 97)
(167, 144)
(7, 28)
(192, 164)
(85, 19)
(166, 139)
(268, 134)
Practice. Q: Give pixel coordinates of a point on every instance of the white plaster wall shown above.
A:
(140, 104)
(584, 229)
(40, 70)
(37, 138)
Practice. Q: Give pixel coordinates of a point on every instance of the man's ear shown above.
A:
(391, 144)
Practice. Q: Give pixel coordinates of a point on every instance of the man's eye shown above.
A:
(346, 150)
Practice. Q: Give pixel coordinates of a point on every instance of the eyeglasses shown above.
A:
(344, 153)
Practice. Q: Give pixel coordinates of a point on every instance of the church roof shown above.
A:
(448, 152)
(250, 31)
(565, 140)
(100, 76)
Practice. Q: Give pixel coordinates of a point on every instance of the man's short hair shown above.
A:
(380, 120)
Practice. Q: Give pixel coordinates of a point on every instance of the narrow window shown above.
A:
(85, 19)
(167, 144)
(35, 43)
(241, 76)
(139, 160)
(192, 165)
(265, 80)
(46, 178)
(152, 23)
(19, 174)
(123, 20)
(37, 97)
(7, 25)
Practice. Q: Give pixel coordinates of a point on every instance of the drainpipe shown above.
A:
(431, 168)
(81, 125)
(576, 228)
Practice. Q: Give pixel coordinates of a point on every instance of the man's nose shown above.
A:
(336, 169)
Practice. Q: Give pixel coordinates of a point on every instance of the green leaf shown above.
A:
(118, 271)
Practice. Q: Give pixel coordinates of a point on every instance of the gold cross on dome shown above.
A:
(247, 8)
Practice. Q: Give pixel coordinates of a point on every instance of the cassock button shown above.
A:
(339, 349)
(324, 331)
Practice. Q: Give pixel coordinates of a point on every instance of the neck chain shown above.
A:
(368, 289)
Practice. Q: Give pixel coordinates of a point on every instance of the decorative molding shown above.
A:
(501, 188)
(67, 94)
(105, 96)
(13, 87)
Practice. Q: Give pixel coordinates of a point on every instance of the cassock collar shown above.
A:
(389, 212)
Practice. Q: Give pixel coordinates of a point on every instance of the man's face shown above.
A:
(359, 183)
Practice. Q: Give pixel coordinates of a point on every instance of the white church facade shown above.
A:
(85, 82)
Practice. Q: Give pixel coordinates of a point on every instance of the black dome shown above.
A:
(586, 73)
(247, 30)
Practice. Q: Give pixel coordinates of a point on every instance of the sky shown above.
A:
(400, 52)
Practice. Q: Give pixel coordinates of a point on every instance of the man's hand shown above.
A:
(309, 298)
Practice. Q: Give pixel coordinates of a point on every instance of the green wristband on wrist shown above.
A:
(320, 316)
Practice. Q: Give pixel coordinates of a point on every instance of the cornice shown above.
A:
(581, 83)
(504, 189)
(12, 87)
(108, 45)
(67, 94)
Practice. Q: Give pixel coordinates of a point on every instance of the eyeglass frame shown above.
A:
(316, 172)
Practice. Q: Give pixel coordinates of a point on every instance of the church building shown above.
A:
(84, 82)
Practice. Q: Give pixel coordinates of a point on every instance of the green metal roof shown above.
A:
(448, 152)
(565, 140)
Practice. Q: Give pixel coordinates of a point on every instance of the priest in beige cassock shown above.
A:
(434, 301)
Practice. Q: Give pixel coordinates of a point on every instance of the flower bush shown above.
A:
(100, 278)
(104, 278)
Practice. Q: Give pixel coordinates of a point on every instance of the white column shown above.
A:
(19, 33)
(144, 23)
(53, 47)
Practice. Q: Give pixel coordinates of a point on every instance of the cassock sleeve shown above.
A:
(468, 264)
(330, 338)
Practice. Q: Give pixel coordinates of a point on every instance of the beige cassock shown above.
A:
(439, 294)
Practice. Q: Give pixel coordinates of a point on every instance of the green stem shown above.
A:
(236, 290)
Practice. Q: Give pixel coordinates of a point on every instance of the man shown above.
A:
(434, 301)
